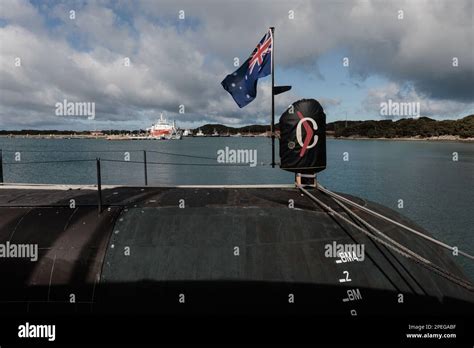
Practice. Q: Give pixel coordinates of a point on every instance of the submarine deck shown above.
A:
(220, 245)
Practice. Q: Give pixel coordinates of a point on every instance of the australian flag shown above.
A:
(242, 84)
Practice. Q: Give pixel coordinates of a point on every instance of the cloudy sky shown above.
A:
(176, 61)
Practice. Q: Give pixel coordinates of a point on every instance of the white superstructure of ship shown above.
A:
(162, 129)
(199, 133)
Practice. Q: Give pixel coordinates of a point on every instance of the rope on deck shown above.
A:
(397, 247)
(374, 213)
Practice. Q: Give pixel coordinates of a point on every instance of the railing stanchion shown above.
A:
(99, 186)
(145, 168)
(1, 166)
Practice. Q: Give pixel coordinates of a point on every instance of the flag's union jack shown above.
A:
(264, 47)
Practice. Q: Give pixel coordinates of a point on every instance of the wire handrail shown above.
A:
(143, 162)
(181, 164)
(70, 151)
(111, 151)
(49, 162)
(139, 162)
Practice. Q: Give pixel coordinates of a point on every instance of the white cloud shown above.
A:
(183, 62)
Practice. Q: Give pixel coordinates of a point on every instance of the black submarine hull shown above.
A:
(218, 235)
(189, 252)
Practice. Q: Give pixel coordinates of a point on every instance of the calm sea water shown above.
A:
(437, 192)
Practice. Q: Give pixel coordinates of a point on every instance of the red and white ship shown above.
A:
(163, 129)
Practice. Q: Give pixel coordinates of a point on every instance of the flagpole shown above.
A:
(272, 29)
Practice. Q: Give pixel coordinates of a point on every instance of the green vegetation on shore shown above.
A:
(221, 129)
(423, 127)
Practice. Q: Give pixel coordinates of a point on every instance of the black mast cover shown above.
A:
(303, 137)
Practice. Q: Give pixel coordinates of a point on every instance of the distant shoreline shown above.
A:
(443, 138)
(410, 129)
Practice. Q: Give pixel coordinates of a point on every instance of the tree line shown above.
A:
(424, 127)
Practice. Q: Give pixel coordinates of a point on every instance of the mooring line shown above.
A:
(374, 213)
(406, 252)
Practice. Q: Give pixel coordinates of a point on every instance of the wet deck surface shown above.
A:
(147, 246)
